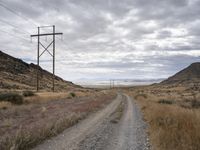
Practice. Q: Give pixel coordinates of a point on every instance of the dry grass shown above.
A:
(43, 97)
(5, 105)
(171, 126)
(48, 96)
(24, 126)
(25, 139)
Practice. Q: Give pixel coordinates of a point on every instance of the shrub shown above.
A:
(195, 104)
(28, 93)
(140, 95)
(11, 97)
(164, 101)
(72, 94)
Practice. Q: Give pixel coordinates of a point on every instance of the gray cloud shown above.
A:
(107, 38)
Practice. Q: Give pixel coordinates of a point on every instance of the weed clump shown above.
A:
(140, 95)
(72, 94)
(28, 93)
(13, 98)
(164, 101)
(195, 104)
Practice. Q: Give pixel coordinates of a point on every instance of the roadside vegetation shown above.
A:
(13, 98)
(72, 94)
(28, 93)
(26, 125)
(173, 115)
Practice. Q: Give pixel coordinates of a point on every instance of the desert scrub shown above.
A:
(14, 98)
(28, 93)
(140, 95)
(26, 139)
(26, 126)
(195, 103)
(171, 126)
(72, 94)
(165, 101)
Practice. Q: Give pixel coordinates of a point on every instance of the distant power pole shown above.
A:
(112, 84)
(53, 43)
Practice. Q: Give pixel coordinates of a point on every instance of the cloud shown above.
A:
(107, 38)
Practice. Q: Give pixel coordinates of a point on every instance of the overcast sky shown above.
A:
(106, 38)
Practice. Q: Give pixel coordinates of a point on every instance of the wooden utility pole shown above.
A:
(112, 84)
(46, 50)
(38, 56)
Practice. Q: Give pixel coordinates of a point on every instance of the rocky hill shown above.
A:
(189, 75)
(16, 74)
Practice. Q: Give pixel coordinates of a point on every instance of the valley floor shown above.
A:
(170, 119)
(119, 126)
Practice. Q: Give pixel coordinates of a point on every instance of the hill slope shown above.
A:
(16, 74)
(191, 74)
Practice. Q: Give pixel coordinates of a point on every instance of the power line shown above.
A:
(16, 13)
(5, 6)
(5, 22)
(13, 35)
(2, 4)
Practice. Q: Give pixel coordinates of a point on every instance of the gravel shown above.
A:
(98, 132)
(128, 134)
(70, 138)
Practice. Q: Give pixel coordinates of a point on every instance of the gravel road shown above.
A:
(130, 134)
(70, 138)
(98, 132)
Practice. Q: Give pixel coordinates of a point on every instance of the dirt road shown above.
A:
(99, 132)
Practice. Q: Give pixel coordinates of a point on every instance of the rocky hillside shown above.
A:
(18, 75)
(189, 75)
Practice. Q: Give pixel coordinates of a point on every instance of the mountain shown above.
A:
(189, 75)
(16, 74)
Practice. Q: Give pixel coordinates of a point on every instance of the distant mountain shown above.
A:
(191, 74)
(16, 74)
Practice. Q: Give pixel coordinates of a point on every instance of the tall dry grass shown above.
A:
(22, 127)
(26, 139)
(171, 127)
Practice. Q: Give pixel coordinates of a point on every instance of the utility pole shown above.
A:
(54, 45)
(39, 43)
(112, 83)
(38, 62)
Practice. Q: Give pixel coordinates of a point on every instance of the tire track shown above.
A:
(98, 132)
(130, 134)
(70, 138)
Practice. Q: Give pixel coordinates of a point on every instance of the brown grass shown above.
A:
(43, 97)
(24, 126)
(5, 105)
(48, 96)
(25, 139)
(171, 126)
